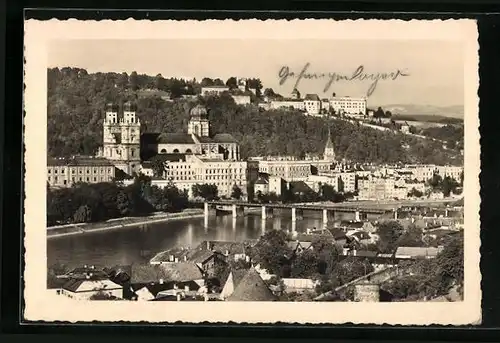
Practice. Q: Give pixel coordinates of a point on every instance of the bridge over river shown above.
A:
(360, 209)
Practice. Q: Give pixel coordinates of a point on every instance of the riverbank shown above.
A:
(120, 223)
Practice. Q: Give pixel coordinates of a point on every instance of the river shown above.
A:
(138, 244)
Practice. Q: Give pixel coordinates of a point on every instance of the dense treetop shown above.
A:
(76, 103)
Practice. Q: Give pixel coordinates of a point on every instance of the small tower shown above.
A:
(329, 153)
(198, 122)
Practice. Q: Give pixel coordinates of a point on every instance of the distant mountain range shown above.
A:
(456, 111)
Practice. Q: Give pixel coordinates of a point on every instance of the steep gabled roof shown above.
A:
(314, 97)
(252, 288)
(181, 271)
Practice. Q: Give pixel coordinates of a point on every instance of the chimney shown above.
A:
(92, 267)
(186, 288)
(345, 251)
(171, 258)
(175, 286)
(247, 258)
(412, 220)
(178, 297)
(85, 266)
(227, 253)
(87, 276)
(308, 231)
(205, 297)
(161, 281)
(354, 252)
(185, 258)
(176, 260)
(208, 245)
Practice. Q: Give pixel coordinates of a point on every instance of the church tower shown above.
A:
(198, 122)
(121, 137)
(329, 153)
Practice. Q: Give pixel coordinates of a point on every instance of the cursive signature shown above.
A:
(358, 75)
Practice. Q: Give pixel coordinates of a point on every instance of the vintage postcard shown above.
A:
(304, 171)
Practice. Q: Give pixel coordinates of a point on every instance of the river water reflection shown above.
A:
(139, 244)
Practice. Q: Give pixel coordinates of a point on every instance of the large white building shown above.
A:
(312, 104)
(348, 105)
(425, 172)
(293, 169)
(185, 171)
(65, 172)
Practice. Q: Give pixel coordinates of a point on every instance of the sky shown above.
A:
(434, 69)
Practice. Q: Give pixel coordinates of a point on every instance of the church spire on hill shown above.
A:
(329, 153)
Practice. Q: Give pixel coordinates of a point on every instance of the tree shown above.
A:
(123, 203)
(160, 82)
(236, 193)
(379, 113)
(350, 269)
(207, 82)
(269, 92)
(305, 265)
(101, 295)
(134, 81)
(448, 185)
(158, 165)
(411, 238)
(389, 232)
(83, 214)
(415, 193)
(206, 191)
(388, 114)
(450, 264)
(436, 181)
(232, 82)
(328, 193)
(272, 252)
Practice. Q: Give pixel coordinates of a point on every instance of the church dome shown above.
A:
(199, 111)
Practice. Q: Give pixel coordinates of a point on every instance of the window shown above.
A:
(64, 181)
(79, 179)
(95, 179)
(55, 171)
(72, 171)
(49, 171)
(88, 179)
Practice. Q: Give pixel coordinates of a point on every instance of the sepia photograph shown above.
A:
(224, 162)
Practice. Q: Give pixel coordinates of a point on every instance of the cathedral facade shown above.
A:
(121, 138)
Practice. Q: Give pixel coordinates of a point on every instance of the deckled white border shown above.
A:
(43, 306)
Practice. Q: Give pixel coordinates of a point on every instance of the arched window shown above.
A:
(188, 151)
(176, 151)
(163, 151)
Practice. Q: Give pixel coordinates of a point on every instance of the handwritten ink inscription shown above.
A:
(358, 75)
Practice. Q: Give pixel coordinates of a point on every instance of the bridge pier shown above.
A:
(267, 212)
(238, 211)
(297, 214)
(205, 207)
